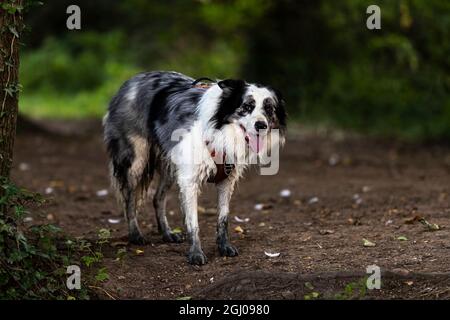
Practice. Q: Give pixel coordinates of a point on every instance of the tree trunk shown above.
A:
(10, 28)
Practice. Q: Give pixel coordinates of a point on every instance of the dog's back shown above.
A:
(140, 116)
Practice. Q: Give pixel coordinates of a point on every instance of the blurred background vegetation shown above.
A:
(333, 71)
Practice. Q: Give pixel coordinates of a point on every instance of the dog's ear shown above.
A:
(280, 110)
(231, 84)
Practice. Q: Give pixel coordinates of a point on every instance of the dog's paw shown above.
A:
(137, 238)
(173, 237)
(197, 257)
(228, 250)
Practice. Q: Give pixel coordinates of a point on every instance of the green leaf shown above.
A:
(102, 275)
(177, 230)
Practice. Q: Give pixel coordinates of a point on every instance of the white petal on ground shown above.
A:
(272, 255)
(333, 160)
(241, 220)
(24, 166)
(49, 190)
(102, 193)
(285, 193)
(259, 206)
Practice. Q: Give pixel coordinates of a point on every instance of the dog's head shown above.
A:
(256, 109)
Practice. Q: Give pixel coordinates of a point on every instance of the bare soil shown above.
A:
(343, 189)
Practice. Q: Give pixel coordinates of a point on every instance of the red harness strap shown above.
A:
(223, 170)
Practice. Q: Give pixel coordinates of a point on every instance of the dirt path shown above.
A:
(360, 189)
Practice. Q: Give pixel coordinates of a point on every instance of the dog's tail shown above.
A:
(131, 169)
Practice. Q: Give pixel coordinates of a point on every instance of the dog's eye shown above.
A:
(247, 107)
(269, 110)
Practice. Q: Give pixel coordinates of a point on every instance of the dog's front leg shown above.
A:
(224, 192)
(188, 199)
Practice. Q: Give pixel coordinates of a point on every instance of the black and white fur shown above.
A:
(138, 131)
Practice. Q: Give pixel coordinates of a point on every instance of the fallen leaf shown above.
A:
(177, 230)
(430, 226)
(309, 285)
(238, 229)
(272, 255)
(402, 238)
(184, 298)
(201, 209)
(367, 243)
(56, 184)
(139, 252)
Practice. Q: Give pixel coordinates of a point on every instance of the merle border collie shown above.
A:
(188, 132)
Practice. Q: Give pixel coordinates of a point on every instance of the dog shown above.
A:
(187, 132)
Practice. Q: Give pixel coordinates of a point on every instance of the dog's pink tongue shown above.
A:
(255, 142)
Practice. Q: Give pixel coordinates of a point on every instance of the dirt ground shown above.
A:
(343, 190)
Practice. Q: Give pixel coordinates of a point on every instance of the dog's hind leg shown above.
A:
(135, 235)
(159, 203)
(129, 178)
(224, 192)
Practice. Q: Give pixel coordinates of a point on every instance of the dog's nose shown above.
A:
(260, 125)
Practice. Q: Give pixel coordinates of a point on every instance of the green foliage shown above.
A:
(31, 264)
(353, 290)
(77, 80)
(392, 82)
(34, 260)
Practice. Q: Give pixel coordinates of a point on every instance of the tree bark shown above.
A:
(10, 27)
